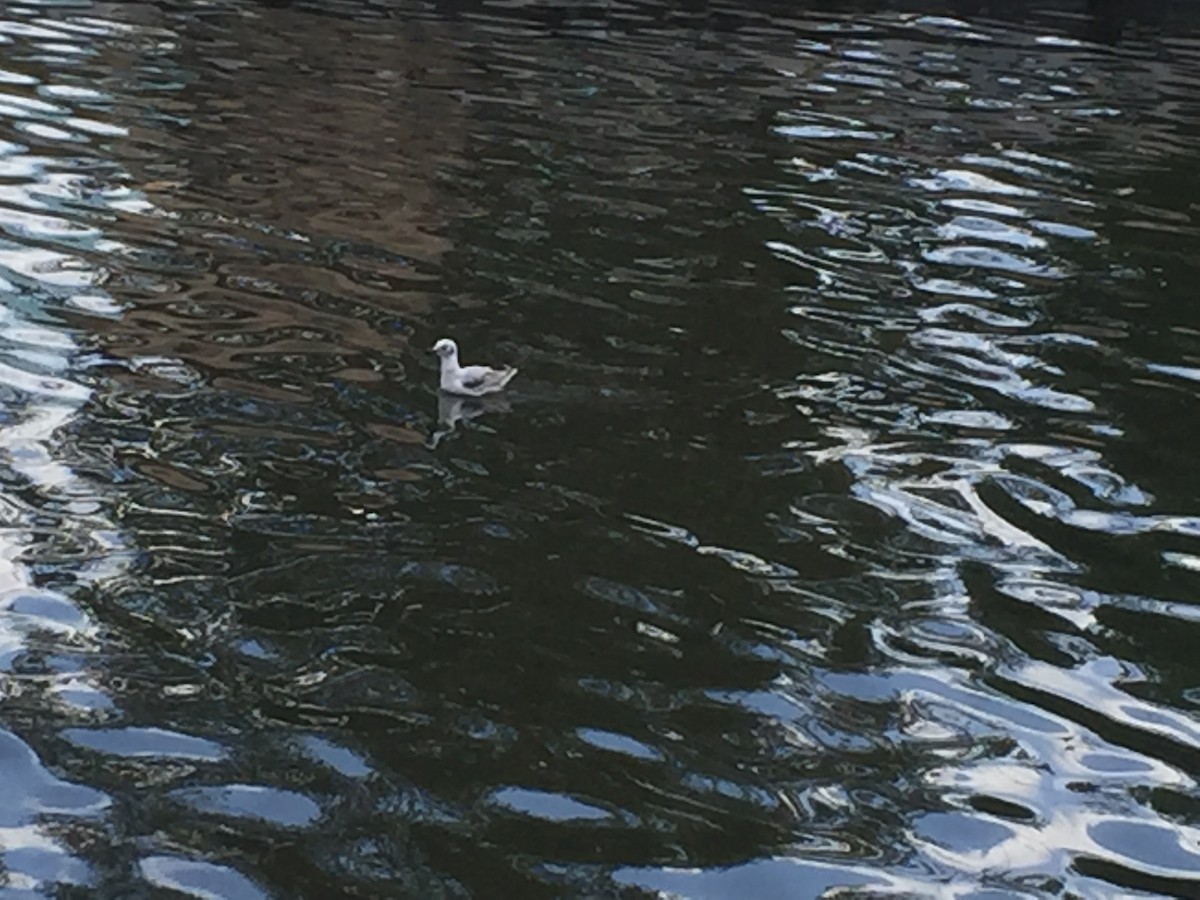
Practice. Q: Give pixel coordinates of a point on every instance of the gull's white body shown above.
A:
(469, 381)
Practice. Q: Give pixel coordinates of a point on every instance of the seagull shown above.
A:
(469, 381)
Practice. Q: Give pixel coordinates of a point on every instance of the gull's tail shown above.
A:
(506, 375)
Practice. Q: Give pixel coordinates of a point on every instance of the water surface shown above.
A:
(841, 531)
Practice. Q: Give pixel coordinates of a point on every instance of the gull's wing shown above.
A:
(479, 378)
(474, 376)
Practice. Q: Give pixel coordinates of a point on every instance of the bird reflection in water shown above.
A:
(453, 409)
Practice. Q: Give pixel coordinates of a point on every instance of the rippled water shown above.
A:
(841, 531)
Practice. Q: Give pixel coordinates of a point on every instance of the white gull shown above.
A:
(469, 381)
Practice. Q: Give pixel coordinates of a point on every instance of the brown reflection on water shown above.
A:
(291, 234)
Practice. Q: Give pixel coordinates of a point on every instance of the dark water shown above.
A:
(842, 530)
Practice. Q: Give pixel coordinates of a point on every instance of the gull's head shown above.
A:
(445, 348)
